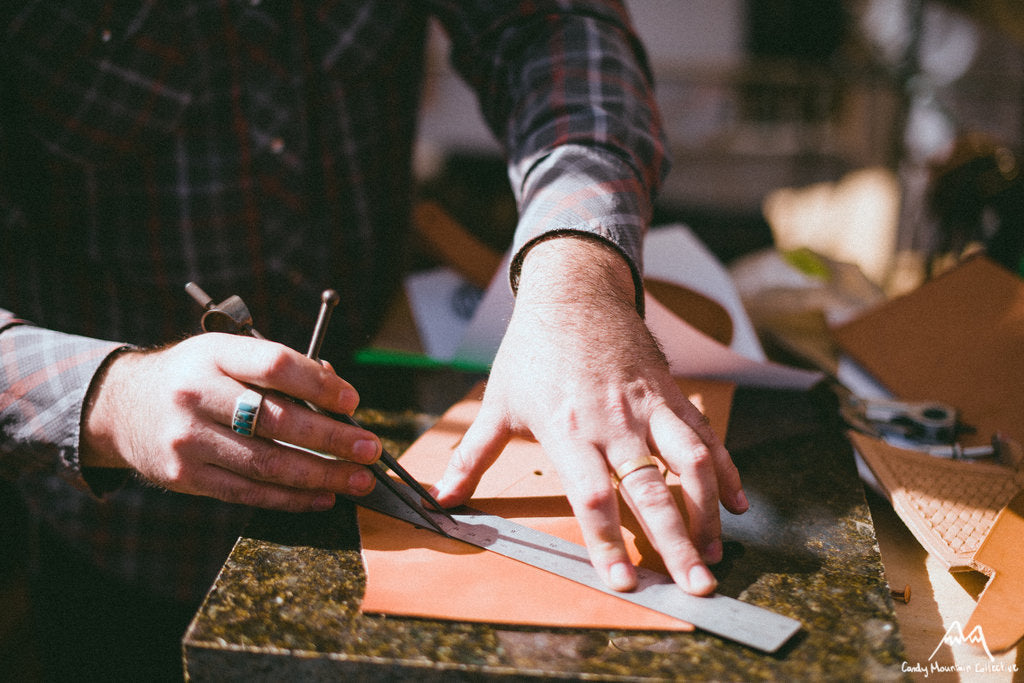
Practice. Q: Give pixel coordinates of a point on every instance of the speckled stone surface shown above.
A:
(286, 604)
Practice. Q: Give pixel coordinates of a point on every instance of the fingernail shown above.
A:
(620, 576)
(324, 501)
(365, 450)
(713, 551)
(361, 481)
(741, 501)
(701, 580)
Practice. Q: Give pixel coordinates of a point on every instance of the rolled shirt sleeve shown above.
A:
(44, 378)
(565, 86)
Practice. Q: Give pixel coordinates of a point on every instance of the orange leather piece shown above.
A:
(415, 572)
(999, 610)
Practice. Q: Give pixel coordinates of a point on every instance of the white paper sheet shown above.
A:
(443, 305)
(674, 254)
(671, 253)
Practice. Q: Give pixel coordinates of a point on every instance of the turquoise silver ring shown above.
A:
(247, 410)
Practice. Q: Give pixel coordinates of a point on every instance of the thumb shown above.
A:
(476, 452)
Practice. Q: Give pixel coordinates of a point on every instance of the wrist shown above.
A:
(581, 246)
(579, 269)
(98, 444)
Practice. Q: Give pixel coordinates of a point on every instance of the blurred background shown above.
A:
(803, 114)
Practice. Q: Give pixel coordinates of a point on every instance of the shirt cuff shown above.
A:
(582, 191)
(46, 376)
(516, 267)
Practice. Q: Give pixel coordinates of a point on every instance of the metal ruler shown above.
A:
(723, 616)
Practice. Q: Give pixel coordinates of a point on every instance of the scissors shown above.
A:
(233, 316)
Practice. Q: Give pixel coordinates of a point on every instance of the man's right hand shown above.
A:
(167, 414)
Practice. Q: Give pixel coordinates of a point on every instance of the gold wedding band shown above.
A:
(631, 466)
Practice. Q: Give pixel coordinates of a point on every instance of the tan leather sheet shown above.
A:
(958, 339)
(415, 572)
(949, 505)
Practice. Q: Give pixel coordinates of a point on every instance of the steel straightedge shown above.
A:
(723, 616)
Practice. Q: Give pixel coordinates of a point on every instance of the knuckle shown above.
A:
(605, 549)
(324, 382)
(250, 496)
(179, 440)
(461, 460)
(571, 423)
(729, 479)
(651, 494)
(327, 480)
(274, 359)
(232, 491)
(679, 551)
(175, 470)
(618, 418)
(262, 497)
(597, 500)
(729, 470)
(336, 442)
(185, 397)
(321, 474)
(271, 418)
(178, 466)
(264, 465)
(699, 458)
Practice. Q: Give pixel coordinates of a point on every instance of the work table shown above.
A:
(286, 603)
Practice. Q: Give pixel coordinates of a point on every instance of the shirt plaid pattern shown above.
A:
(260, 149)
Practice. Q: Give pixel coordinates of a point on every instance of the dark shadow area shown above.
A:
(334, 529)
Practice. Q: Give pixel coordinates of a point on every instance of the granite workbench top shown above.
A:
(286, 604)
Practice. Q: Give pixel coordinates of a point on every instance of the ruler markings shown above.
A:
(721, 615)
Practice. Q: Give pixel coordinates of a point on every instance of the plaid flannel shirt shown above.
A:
(261, 150)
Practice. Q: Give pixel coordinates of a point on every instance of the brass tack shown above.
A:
(903, 595)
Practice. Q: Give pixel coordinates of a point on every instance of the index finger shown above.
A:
(270, 365)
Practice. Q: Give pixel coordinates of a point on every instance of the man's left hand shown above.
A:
(579, 371)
